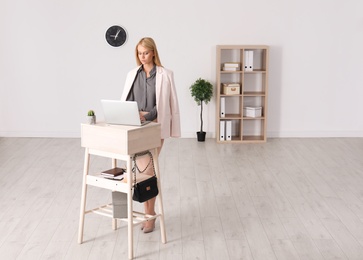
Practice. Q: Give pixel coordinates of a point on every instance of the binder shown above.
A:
(223, 107)
(250, 61)
(228, 130)
(221, 130)
(246, 59)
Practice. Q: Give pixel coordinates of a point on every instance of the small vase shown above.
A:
(91, 120)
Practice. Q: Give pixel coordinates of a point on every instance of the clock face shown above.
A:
(116, 36)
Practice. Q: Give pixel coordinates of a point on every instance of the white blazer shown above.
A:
(166, 100)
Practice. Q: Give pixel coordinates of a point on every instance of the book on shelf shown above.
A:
(112, 173)
(231, 65)
(230, 69)
(116, 178)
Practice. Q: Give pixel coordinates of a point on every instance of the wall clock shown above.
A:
(116, 36)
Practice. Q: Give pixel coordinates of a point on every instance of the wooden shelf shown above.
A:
(235, 95)
(231, 72)
(254, 92)
(232, 116)
(253, 138)
(255, 71)
(253, 118)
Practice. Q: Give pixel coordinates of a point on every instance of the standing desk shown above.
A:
(120, 142)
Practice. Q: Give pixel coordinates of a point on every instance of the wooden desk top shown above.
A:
(121, 139)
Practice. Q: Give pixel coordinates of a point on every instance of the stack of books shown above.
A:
(114, 174)
(231, 66)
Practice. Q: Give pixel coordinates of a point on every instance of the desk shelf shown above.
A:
(114, 185)
(107, 211)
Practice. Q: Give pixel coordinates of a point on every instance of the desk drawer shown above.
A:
(124, 140)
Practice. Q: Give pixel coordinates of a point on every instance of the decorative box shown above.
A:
(252, 111)
(231, 88)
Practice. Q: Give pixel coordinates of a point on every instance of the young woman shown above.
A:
(152, 87)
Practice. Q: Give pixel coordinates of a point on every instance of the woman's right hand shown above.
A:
(142, 115)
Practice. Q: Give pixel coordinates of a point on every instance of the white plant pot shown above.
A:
(91, 120)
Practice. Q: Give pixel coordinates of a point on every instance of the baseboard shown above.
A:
(311, 134)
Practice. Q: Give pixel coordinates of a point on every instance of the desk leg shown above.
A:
(114, 220)
(83, 197)
(159, 198)
(130, 220)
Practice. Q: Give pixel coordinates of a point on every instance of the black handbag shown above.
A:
(148, 188)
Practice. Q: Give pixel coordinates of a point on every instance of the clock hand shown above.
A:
(117, 33)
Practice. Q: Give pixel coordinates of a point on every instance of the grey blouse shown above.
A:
(143, 92)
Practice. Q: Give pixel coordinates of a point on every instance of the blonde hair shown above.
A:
(149, 44)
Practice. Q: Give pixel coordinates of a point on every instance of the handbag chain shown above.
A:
(137, 168)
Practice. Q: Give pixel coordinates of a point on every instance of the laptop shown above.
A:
(118, 112)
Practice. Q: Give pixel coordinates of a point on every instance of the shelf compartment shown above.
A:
(253, 129)
(235, 130)
(231, 55)
(229, 78)
(233, 105)
(255, 82)
(255, 101)
(259, 58)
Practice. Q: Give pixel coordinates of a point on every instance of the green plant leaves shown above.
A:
(202, 91)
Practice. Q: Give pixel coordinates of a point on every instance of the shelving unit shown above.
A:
(252, 92)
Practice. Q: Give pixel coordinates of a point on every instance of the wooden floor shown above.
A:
(286, 199)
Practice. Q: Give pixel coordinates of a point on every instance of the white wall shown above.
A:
(55, 63)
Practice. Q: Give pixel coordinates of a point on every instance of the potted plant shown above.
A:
(91, 117)
(202, 92)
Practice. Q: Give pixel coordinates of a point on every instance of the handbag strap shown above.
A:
(137, 168)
